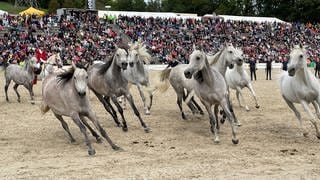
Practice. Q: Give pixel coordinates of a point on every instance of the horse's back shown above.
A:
(177, 78)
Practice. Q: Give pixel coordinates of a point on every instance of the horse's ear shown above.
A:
(116, 46)
(194, 47)
(73, 65)
(300, 46)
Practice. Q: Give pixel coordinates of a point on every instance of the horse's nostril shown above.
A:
(82, 94)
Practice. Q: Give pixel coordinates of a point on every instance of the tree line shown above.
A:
(288, 10)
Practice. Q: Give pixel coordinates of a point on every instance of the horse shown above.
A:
(138, 74)
(211, 88)
(237, 78)
(299, 85)
(53, 60)
(107, 81)
(20, 76)
(220, 61)
(65, 95)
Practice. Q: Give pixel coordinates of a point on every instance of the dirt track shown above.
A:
(35, 146)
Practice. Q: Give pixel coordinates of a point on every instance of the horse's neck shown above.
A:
(239, 69)
(207, 77)
(221, 65)
(140, 68)
(304, 77)
(28, 68)
(51, 59)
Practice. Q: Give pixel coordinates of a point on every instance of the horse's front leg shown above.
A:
(30, 89)
(15, 87)
(120, 110)
(213, 122)
(146, 108)
(253, 94)
(241, 99)
(225, 105)
(93, 132)
(96, 123)
(76, 119)
(136, 112)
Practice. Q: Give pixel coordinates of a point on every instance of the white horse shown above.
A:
(211, 88)
(49, 64)
(220, 61)
(138, 74)
(299, 85)
(237, 78)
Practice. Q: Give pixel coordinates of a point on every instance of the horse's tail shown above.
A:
(164, 80)
(44, 108)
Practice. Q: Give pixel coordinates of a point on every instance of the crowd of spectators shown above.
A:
(85, 36)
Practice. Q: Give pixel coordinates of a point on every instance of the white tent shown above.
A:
(251, 18)
(2, 12)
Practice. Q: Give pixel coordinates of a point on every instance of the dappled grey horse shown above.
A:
(65, 95)
(107, 81)
(53, 60)
(299, 85)
(211, 88)
(20, 76)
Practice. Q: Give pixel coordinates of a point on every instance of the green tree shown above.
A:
(138, 5)
(154, 6)
(53, 6)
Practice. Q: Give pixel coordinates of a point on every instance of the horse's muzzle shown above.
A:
(231, 66)
(82, 94)
(188, 73)
(131, 64)
(291, 71)
(124, 65)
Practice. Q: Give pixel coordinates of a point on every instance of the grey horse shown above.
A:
(20, 76)
(211, 88)
(65, 95)
(107, 81)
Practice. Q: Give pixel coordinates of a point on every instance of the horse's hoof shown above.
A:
(99, 140)
(217, 141)
(125, 128)
(257, 106)
(305, 134)
(184, 117)
(238, 124)
(235, 141)
(117, 148)
(247, 109)
(147, 113)
(91, 152)
(72, 141)
(33, 103)
(147, 130)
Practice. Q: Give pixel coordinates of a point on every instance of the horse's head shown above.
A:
(298, 59)
(232, 55)
(80, 78)
(239, 53)
(138, 54)
(197, 61)
(121, 58)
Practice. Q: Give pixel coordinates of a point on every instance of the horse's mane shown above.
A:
(67, 75)
(217, 56)
(104, 67)
(142, 51)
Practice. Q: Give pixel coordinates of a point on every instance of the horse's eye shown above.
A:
(118, 55)
(87, 77)
(301, 56)
(198, 58)
(230, 52)
(74, 78)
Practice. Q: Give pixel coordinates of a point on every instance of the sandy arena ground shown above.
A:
(35, 146)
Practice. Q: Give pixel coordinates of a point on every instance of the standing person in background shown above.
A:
(41, 56)
(285, 64)
(268, 68)
(253, 68)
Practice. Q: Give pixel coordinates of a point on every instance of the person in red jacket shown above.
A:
(41, 56)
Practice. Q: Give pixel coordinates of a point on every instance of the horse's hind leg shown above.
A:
(6, 89)
(15, 87)
(179, 102)
(241, 99)
(65, 126)
(312, 119)
(136, 112)
(98, 138)
(190, 103)
(316, 107)
(77, 120)
(213, 122)
(197, 105)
